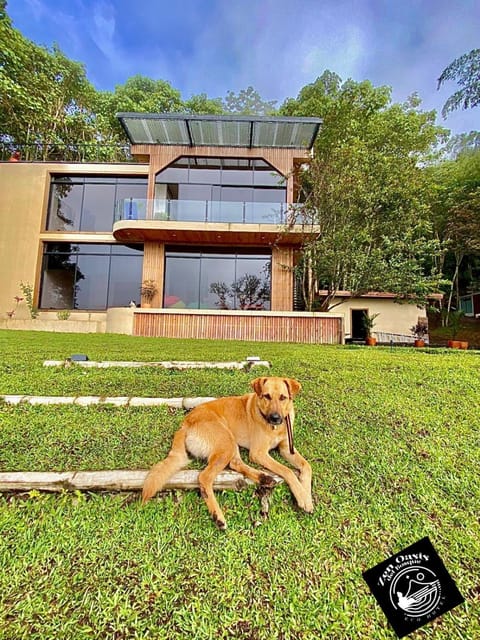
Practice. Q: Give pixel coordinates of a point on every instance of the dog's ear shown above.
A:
(257, 385)
(293, 386)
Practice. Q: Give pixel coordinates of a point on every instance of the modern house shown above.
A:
(202, 213)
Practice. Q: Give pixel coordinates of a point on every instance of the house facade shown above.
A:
(202, 214)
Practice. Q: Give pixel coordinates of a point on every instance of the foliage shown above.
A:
(420, 330)
(45, 98)
(138, 94)
(465, 70)
(456, 212)
(202, 104)
(27, 290)
(454, 322)
(369, 322)
(148, 289)
(389, 468)
(248, 102)
(365, 203)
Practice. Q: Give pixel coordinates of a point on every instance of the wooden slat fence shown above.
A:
(305, 328)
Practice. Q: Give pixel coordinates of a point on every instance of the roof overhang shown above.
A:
(220, 131)
(228, 234)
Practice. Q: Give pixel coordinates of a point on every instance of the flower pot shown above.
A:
(371, 341)
(146, 305)
(419, 342)
(458, 344)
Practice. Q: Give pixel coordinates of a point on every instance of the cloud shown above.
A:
(276, 46)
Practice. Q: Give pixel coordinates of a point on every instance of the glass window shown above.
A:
(252, 284)
(223, 185)
(204, 176)
(182, 276)
(87, 276)
(124, 281)
(216, 276)
(173, 174)
(65, 209)
(88, 203)
(98, 207)
(58, 281)
(266, 175)
(214, 280)
(240, 177)
(91, 280)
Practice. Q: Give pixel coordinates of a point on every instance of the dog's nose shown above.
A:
(275, 418)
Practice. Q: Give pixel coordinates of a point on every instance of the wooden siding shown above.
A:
(282, 279)
(153, 267)
(305, 328)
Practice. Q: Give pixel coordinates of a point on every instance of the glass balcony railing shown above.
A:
(202, 211)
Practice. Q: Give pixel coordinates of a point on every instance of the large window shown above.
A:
(89, 203)
(221, 190)
(210, 279)
(90, 276)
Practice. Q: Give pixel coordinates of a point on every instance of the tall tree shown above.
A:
(138, 94)
(248, 102)
(45, 98)
(456, 214)
(465, 70)
(365, 205)
(203, 105)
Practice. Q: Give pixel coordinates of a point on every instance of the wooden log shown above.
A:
(114, 480)
(174, 364)
(120, 401)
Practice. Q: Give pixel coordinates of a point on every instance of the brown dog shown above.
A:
(215, 431)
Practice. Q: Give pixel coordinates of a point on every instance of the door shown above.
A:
(358, 331)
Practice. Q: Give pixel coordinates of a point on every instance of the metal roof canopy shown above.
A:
(220, 131)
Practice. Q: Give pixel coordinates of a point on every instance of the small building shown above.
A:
(200, 211)
(470, 304)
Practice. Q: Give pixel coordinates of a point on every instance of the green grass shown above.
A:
(393, 439)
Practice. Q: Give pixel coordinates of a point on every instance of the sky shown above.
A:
(276, 46)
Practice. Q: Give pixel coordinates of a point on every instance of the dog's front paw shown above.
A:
(267, 480)
(306, 504)
(220, 522)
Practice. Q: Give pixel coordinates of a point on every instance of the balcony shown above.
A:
(200, 221)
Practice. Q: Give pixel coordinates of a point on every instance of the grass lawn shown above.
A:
(393, 438)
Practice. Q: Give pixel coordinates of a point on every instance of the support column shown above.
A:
(154, 268)
(282, 279)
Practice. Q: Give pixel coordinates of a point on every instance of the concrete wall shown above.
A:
(77, 322)
(393, 322)
(24, 192)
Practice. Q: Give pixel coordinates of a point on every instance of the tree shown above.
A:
(248, 102)
(465, 70)
(365, 205)
(202, 104)
(45, 98)
(456, 214)
(139, 94)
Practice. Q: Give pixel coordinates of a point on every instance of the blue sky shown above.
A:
(276, 46)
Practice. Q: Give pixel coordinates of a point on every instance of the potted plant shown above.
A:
(454, 319)
(148, 290)
(419, 330)
(368, 324)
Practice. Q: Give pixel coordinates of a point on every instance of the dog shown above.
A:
(217, 429)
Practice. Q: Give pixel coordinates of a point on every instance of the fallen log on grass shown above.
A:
(115, 480)
(118, 401)
(178, 365)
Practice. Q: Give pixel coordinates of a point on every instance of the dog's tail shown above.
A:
(160, 473)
